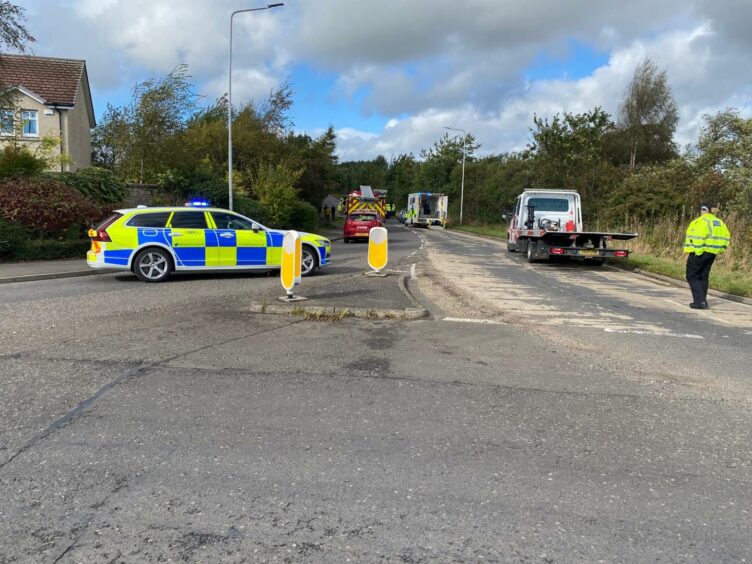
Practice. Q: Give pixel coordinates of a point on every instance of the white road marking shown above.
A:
(653, 333)
(413, 272)
(471, 320)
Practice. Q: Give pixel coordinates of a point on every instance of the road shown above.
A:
(164, 422)
(623, 318)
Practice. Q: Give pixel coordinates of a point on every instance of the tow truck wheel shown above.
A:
(510, 247)
(530, 252)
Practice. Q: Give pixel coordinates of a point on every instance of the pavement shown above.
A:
(45, 270)
(166, 422)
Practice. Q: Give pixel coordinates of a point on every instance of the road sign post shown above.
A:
(378, 251)
(290, 267)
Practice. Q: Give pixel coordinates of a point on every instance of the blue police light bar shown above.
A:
(197, 204)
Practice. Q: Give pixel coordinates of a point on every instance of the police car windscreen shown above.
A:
(549, 204)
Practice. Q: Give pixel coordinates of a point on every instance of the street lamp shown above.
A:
(229, 97)
(462, 187)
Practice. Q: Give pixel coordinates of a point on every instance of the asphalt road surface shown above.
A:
(547, 413)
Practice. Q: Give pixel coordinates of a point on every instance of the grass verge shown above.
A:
(497, 230)
(722, 277)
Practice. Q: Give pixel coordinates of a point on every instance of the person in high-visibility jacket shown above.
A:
(707, 237)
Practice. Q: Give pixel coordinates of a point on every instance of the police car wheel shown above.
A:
(152, 265)
(309, 261)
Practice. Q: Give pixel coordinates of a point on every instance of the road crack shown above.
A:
(124, 378)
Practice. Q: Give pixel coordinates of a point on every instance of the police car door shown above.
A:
(188, 230)
(241, 242)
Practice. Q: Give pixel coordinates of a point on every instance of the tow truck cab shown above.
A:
(548, 223)
(557, 210)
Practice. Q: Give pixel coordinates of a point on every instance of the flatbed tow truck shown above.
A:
(548, 223)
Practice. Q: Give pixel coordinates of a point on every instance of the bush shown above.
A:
(198, 184)
(303, 217)
(44, 206)
(274, 186)
(250, 208)
(17, 160)
(12, 237)
(97, 184)
(51, 249)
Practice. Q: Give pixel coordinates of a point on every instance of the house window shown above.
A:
(29, 118)
(6, 122)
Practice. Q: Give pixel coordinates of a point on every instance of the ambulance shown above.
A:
(426, 208)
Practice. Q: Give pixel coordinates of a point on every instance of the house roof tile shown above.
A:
(55, 80)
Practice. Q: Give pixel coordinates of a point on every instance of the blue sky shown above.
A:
(390, 75)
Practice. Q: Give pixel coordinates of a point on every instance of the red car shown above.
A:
(358, 225)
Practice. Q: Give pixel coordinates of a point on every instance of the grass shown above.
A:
(491, 230)
(722, 277)
(658, 249)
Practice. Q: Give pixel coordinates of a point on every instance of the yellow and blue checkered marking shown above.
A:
(212, 247)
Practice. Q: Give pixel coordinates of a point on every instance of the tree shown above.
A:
(435, 174)
(13, 37)
(725, 153)
(274, 187)
(13, 33)
(570, 146)
(648, 115)
(317, 161)
(134, 139)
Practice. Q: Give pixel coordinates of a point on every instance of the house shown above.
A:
(52, 100)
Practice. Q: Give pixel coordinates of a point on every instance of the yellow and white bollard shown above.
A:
(378, 251)
(290, 267)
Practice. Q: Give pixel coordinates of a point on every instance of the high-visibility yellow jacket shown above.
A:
(707, 234)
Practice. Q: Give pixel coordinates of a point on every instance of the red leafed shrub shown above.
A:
(45, 206)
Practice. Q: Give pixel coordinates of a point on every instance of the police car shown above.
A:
(153, 242)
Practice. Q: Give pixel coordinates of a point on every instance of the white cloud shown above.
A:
(687, 55)
(420, 66)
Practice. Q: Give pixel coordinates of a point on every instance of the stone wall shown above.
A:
(147, 195)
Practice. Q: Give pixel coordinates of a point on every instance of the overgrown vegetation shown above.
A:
(163, 137)
(629, 171)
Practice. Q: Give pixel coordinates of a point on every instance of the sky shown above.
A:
(389, 75)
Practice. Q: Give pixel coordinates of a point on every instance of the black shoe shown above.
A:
(703, 305)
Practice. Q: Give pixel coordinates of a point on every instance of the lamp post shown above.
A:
(462, 185)
(229, 97)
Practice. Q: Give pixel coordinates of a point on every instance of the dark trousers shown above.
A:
(698, 275)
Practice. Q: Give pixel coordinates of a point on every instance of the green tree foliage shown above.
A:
(13, 33)
(724, 154)
(653, 191)
(568, 151)
(13, 37)
(317, 162)
(352, 174)
(274, 187)
(401, 178)
(134, 139)
(648, 116)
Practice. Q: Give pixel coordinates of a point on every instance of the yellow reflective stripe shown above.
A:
(169, 219)
(210, 220)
